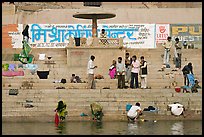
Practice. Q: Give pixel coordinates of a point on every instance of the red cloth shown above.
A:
(56, 119)
(12, 73)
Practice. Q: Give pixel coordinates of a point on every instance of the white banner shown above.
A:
(57, 35)
(162, 32)
(17, 37)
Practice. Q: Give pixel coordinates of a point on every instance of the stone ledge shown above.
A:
(105, 118)
(8, 9)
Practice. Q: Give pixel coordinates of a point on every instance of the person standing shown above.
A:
(90, 71)
(112, 70)
(128, 66)
(167, 46)
(120, 68)
(143, 67)
(26, 34)
(178, 48)
(187, 69)
(134, 72)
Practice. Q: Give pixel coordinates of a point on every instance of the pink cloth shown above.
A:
(136, 66)
(112, 73)
(12, 73)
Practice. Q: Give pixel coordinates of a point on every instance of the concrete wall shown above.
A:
(29, 6)
(123, 15)
(78, 57)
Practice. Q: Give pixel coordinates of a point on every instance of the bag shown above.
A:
(167, 66)
(63, 80)
(13, 91)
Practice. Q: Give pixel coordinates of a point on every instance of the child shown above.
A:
(112, 70)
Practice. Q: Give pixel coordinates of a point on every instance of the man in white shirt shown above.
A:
(134, 112)
(90, 72)
(134, 72)
(167, 46)
(120, 68)
(176, 109)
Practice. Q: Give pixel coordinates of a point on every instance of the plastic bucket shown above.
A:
(177, 89)
(128, 106)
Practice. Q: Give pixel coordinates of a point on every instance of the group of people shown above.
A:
(132, 68)
(61, 112)
(177, 52)
(187, 69)
(129, 71)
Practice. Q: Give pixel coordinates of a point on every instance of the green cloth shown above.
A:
(27, 48)
(96, 110)
(95, 107)
(25, 56)
(16, 56)
(5, 66)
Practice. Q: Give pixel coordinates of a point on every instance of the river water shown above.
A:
(186, 127)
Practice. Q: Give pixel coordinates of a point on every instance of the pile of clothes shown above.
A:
(98, 76)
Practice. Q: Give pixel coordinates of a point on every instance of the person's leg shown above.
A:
(142, 82)
(89, 81)
(187, 80)
(179, 62)
(145, 81)
(167, 57)
(129, 74)
(136, 80)
(126, 74)
(123, 81)
(185, 77)
(165, 54)
(132, 80)
(119, 81)
(93, 83)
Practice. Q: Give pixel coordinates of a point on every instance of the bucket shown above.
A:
(128, 106)
(177, 89)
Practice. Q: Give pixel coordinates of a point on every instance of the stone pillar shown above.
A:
(94, 27)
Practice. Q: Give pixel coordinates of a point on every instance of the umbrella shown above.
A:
(94, 14)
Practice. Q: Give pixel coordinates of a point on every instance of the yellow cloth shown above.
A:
(96, 107)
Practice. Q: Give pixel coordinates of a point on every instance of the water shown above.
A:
(105, 128)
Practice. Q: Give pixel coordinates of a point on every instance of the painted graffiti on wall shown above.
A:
(134, 35)
(57, 35)
(162, 32)
(192, 33)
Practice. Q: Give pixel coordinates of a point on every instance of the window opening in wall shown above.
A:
(96, 4)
